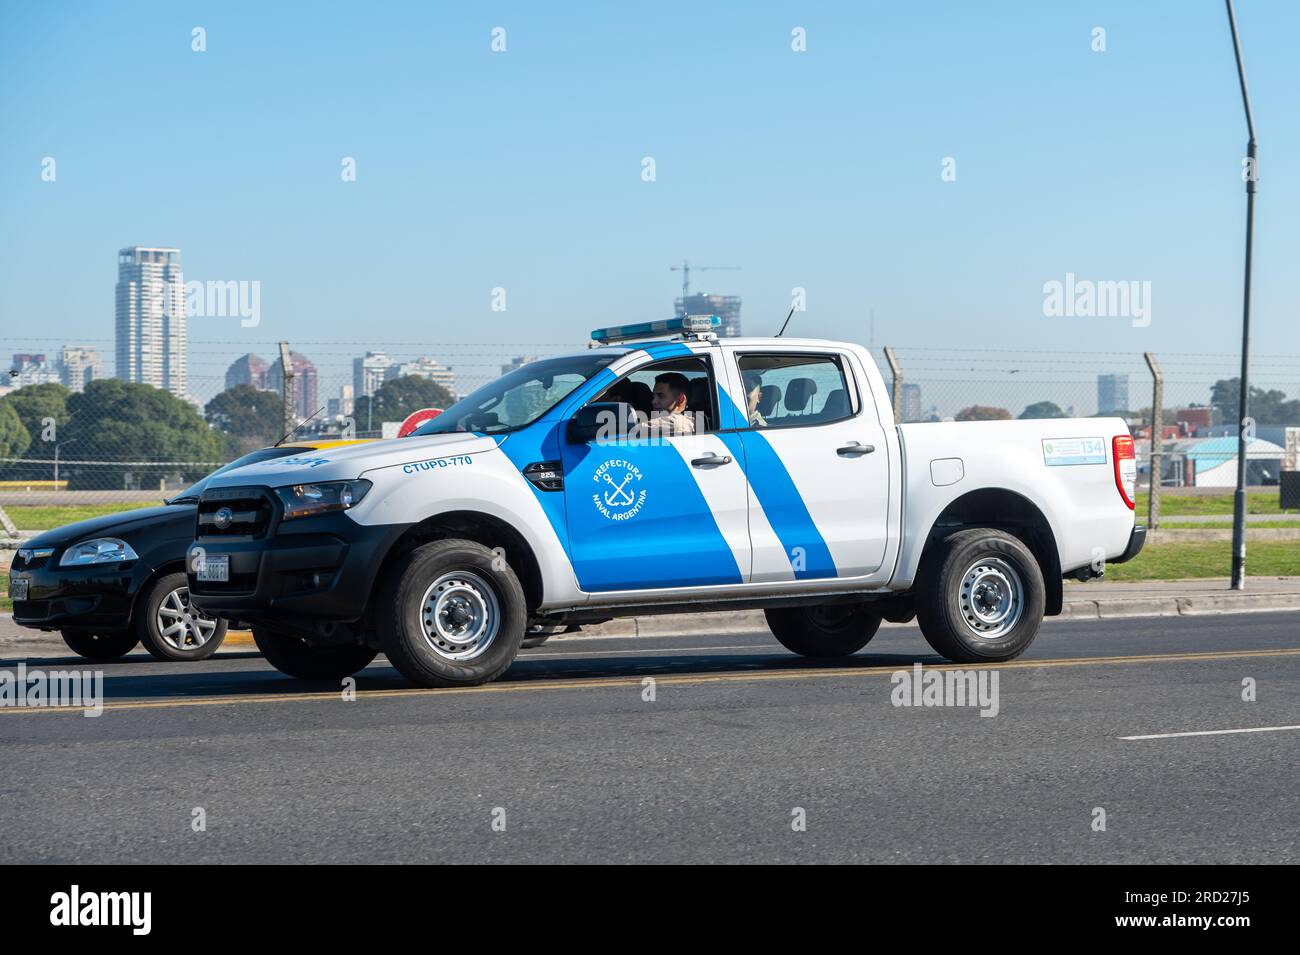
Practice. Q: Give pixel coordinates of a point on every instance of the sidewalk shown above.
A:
(1102, 600)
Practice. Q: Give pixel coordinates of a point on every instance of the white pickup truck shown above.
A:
(679, 475)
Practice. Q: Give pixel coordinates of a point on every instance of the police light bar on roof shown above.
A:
(688, 324)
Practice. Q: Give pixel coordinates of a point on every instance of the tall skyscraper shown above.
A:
(369, 373)
(80, 365)
(247, 370)
(306, 388)
(151, 344)
(726, 307)
(1112, 393)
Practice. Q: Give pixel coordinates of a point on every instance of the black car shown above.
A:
(111, 582)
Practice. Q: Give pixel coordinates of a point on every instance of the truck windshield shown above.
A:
(518, 398)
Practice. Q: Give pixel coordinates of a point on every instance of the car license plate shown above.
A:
(215, 568)
(18, 588)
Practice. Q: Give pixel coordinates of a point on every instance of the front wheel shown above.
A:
(980, 596)
(455, 615)
(100, 646)
(827, 630)
(171, 628)
(292, 655)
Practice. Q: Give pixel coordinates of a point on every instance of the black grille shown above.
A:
(234, 512)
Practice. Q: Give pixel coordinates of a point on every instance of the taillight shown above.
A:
(1126, 467)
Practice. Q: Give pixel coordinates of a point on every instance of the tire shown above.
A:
(293, 656)
(828, 630)
(170, 628)
(100, 646)
(454, 615)
(980, 596)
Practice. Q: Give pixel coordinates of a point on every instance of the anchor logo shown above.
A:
(618, 496)
(622, 499)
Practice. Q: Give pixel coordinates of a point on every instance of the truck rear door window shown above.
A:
(794, 391)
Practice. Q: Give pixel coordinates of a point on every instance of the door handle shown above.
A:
(853, 449)
(710, 461)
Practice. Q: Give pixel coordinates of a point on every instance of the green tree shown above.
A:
(43, 410)
(982, 413)
(400, 397)
(1043, 409)
(14, 438)
(117, 421)
(1266, 407)
(247, 417)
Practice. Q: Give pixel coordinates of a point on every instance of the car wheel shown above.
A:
(980, 596)
(171, 628)
(826, 630)
(100, 646)
(455, 615)
(292, 655)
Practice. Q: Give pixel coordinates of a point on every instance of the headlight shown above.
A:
(101, 550)
(307, 500)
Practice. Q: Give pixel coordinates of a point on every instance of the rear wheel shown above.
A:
(292, 655)
(980, 596)
(827, 630)
(171, 628)
(100, 646)
(455, 615)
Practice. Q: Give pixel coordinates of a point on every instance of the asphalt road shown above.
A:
(739, 737)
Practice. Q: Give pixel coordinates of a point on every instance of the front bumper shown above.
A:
(1136, 539)
(318, 569)
(93, 599)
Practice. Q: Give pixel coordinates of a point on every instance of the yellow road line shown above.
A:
(757, 676)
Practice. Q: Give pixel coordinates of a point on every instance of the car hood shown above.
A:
(120, 524)
(352, 461)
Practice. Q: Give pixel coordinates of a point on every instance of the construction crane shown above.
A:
(686, 268)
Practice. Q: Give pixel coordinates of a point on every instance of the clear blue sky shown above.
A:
(523, 169)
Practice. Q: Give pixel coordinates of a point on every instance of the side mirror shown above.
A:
(602, 421)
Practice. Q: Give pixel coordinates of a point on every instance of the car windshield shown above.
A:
(519, 398)
(191, 494)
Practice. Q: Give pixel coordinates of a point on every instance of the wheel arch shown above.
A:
(1017, 515)
(159, 570)
(486, 529)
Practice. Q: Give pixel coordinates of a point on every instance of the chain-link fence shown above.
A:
(109, 447)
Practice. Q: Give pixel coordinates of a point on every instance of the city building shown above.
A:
(1112, 393)
(726, 307)
(248, 370)
(368, 373)
(79, 366)
(427, 367)
(29, 369)
(911, 402)
(518, 362)
(1196, 420)
(306, 388)
(151, 345)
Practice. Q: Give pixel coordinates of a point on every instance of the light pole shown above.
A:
(1252, 175)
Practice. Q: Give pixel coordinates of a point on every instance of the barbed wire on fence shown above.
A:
(938, 383)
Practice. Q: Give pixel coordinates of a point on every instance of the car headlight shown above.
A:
(308, 500)
(101, 550)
